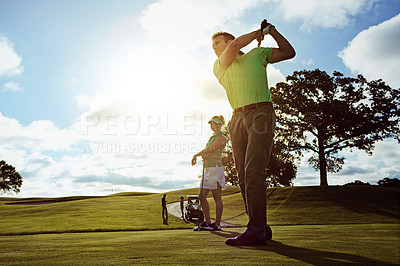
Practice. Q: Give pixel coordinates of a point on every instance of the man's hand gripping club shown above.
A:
(264, 30)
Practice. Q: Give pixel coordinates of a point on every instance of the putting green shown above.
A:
(372, 244)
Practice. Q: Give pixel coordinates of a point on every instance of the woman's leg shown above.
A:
(204, 204)
(218, 204)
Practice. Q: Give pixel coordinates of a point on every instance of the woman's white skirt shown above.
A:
(212, 177)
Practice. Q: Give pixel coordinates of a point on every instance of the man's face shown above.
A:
(219, 44)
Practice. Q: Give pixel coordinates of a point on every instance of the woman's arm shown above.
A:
(219, 141)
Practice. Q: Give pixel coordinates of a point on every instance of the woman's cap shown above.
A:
(216, 120)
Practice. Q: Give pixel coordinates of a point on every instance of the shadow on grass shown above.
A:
(318, 257)
(312, 256)
(365, 199)
(225, 233)
(315, 257)
(236, 216)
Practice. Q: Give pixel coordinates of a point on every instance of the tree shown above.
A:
(358, 183)
(389, 182)
(280, 171)
(231, 176)
(324, 115)
(10, 180)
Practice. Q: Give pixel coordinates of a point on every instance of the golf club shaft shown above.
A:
(202, 189)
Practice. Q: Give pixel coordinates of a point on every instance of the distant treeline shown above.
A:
(386, 182)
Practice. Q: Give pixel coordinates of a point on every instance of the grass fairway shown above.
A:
(311, 225)
(119, 212)
(323, 205)
(372, 244)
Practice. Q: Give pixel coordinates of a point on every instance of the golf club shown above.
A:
(198, 226)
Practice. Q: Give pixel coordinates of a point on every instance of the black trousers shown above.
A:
(252, 133)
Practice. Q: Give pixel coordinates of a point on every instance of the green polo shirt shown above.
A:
(245, 80)
(214, 158)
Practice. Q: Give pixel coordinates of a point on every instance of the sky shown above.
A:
(99, 97)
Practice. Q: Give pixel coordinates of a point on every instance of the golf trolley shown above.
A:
(193, 209)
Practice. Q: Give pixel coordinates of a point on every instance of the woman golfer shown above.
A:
(213, 178)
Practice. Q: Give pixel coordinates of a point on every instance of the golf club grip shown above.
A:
(264, 24)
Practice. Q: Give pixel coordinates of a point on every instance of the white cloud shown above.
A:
(375, 52)
(189, 24)
(88, 173)
(308, 62)
(274, 76)
(41, 135)
(11, 86)
(325, 14)
(10, 61)
(60, 162)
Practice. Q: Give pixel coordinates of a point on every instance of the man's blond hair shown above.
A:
(226, 35)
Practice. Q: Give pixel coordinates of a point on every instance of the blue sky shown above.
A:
(99, 97)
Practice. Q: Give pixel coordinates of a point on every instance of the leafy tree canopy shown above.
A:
(10, 180)
(325, 114)
(389, 182)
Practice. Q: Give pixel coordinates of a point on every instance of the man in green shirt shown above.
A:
(252, 126)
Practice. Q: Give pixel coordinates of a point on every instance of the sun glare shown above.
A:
(153, 81)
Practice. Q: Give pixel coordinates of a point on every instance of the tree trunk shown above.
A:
(322, 170)
(322, 163)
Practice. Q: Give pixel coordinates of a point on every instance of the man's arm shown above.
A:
(229, 54)
(284, 51)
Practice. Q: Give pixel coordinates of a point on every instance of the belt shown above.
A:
(251, 106)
